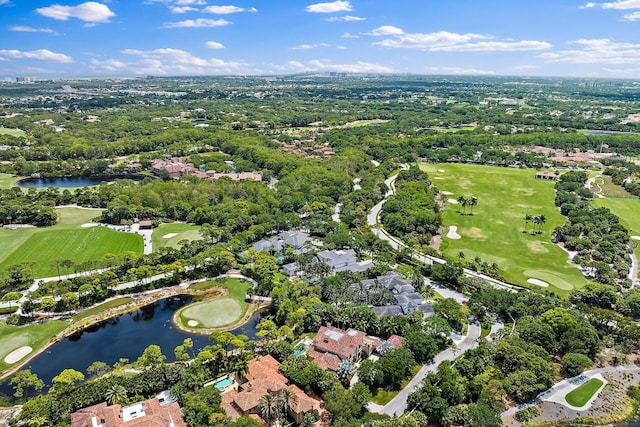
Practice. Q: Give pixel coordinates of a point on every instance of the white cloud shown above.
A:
(198, 23)
(88, 12)
(24, 29)
(347, 18)
(458, 71)
(226, 10)
(350, 36)
(311, 46)
(166, 61)
(341, 47)
(214, 45)
(594, 51)
(386, 30)
(445, 41)
(634, 16)
(325, 66)
(525, 67)
(40, 54)
(620, 5)
(188, 2)
(331, 7)
(182, 9)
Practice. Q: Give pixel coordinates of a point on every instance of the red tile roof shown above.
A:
(155, 414)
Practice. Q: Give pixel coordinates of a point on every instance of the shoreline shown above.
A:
(84, 324)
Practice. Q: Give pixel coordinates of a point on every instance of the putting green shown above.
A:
(551, 278)
(214, 313)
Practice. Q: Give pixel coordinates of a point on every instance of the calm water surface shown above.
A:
(68, 182)
(124, 336)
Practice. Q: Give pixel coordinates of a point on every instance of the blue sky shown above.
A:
(203, 37)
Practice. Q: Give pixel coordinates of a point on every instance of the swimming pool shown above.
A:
(223, 383)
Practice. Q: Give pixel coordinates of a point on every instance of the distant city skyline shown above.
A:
(128, 38)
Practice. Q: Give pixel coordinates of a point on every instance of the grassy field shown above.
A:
(66, 240)
(12, 132)
(34, 336)
(496, 230)
(8, 181)
(102, 307)
(579, 396)
(175, 233)
(221, 311)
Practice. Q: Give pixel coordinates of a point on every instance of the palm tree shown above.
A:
(472, 202)
(527, 218)
(463, 202)
(116, 394)
(287, 400)
(268, 408)
(541, 221)
(346, 370)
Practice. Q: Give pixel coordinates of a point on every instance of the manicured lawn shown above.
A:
(33, 335)
(12, 132)
(66, 240)
(102, 307)
(172, 234)
(221, 311)
(8, 181)
(496, 230)
(581, 395)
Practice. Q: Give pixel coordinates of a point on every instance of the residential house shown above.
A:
(333, 345)
(344, 260)
(263, 377)
(405, 295)
(162, 410)
(279, 243)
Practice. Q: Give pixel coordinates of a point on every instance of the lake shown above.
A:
(125, 336)
(71, 181)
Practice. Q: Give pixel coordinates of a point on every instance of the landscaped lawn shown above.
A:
(66, 240)
(12, 132)
(172, 234)
(496, 230)
(102, 307)
(34, 335)
(8, 181)
(581, 395)
(221, 311)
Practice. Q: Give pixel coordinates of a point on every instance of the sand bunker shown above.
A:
(170, 235)
(441, 170)
(452, 201)
(635, 237)
(538, 283)
(447, 193)
(452, 233)
(192, 323)
(17, 354)
(89, 224)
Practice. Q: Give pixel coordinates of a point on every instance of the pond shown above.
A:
(124, 336)
(71, 181)
(597, 133)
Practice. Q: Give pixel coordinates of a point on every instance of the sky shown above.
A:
(128, 38)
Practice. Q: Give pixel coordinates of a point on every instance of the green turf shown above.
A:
(12, 132)
(66, 240)
(182, 232)
(496, 230)
(8, 181)
(579, 396)
(218, 312)
(34, 335)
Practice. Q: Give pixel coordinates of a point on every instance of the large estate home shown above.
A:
(277, 245)
(406, 298)
(178, 167)
(331, 346)
(263, 377)
(161, 410)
